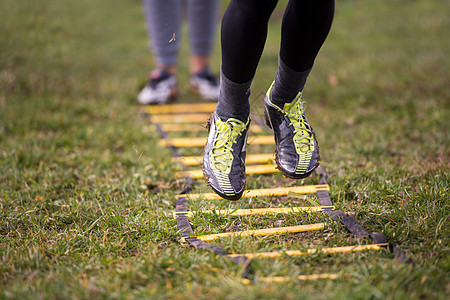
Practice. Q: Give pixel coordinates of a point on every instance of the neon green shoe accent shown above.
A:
(221, 156)
(303, 137)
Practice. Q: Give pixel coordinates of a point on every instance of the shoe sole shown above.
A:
(231, 198)
(279, 167)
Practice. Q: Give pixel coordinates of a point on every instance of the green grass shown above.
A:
(86, 193)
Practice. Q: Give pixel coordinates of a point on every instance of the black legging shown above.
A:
(305, 26)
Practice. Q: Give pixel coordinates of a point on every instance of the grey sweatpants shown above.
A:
(164, 19)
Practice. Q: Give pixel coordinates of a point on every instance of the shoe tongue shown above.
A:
(287, 106)
(296, 105)
(230, 127)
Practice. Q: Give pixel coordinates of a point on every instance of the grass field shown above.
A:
(86, 193)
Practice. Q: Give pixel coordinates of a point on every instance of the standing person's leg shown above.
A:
(203, 21)
(305, 26)
(244, 31)
(163, 24)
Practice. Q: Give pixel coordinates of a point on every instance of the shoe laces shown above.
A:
(227, 134)
(303, 137)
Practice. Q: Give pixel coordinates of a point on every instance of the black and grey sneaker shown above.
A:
(224, 156)
(160, 89)
(297, 151)
(206, 85)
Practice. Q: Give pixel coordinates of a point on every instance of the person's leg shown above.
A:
(243, 35)
(203, 21)
(244, 31)
(306, 24)
(163, 24)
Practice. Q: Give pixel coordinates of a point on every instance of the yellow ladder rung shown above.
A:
(280, 279)
(179, 108)
(282, 191)
(258, 169)
(196, 127)
(184, 142)
(346, 249)
(196, 142)
(255, 211)
(181, 118)
(256, 128)
(262, 232)
(250, 159)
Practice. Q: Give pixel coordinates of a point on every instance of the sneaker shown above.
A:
(297, 151)
(160, 89)
(224, 156)
(206, 85)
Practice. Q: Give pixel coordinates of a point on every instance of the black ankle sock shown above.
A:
(233, 99)
(288, 83)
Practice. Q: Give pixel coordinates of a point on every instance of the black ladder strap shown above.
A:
(186, 231)
(352, 224)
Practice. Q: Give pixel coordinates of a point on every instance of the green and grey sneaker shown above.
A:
(297, 151)
(224, 156)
